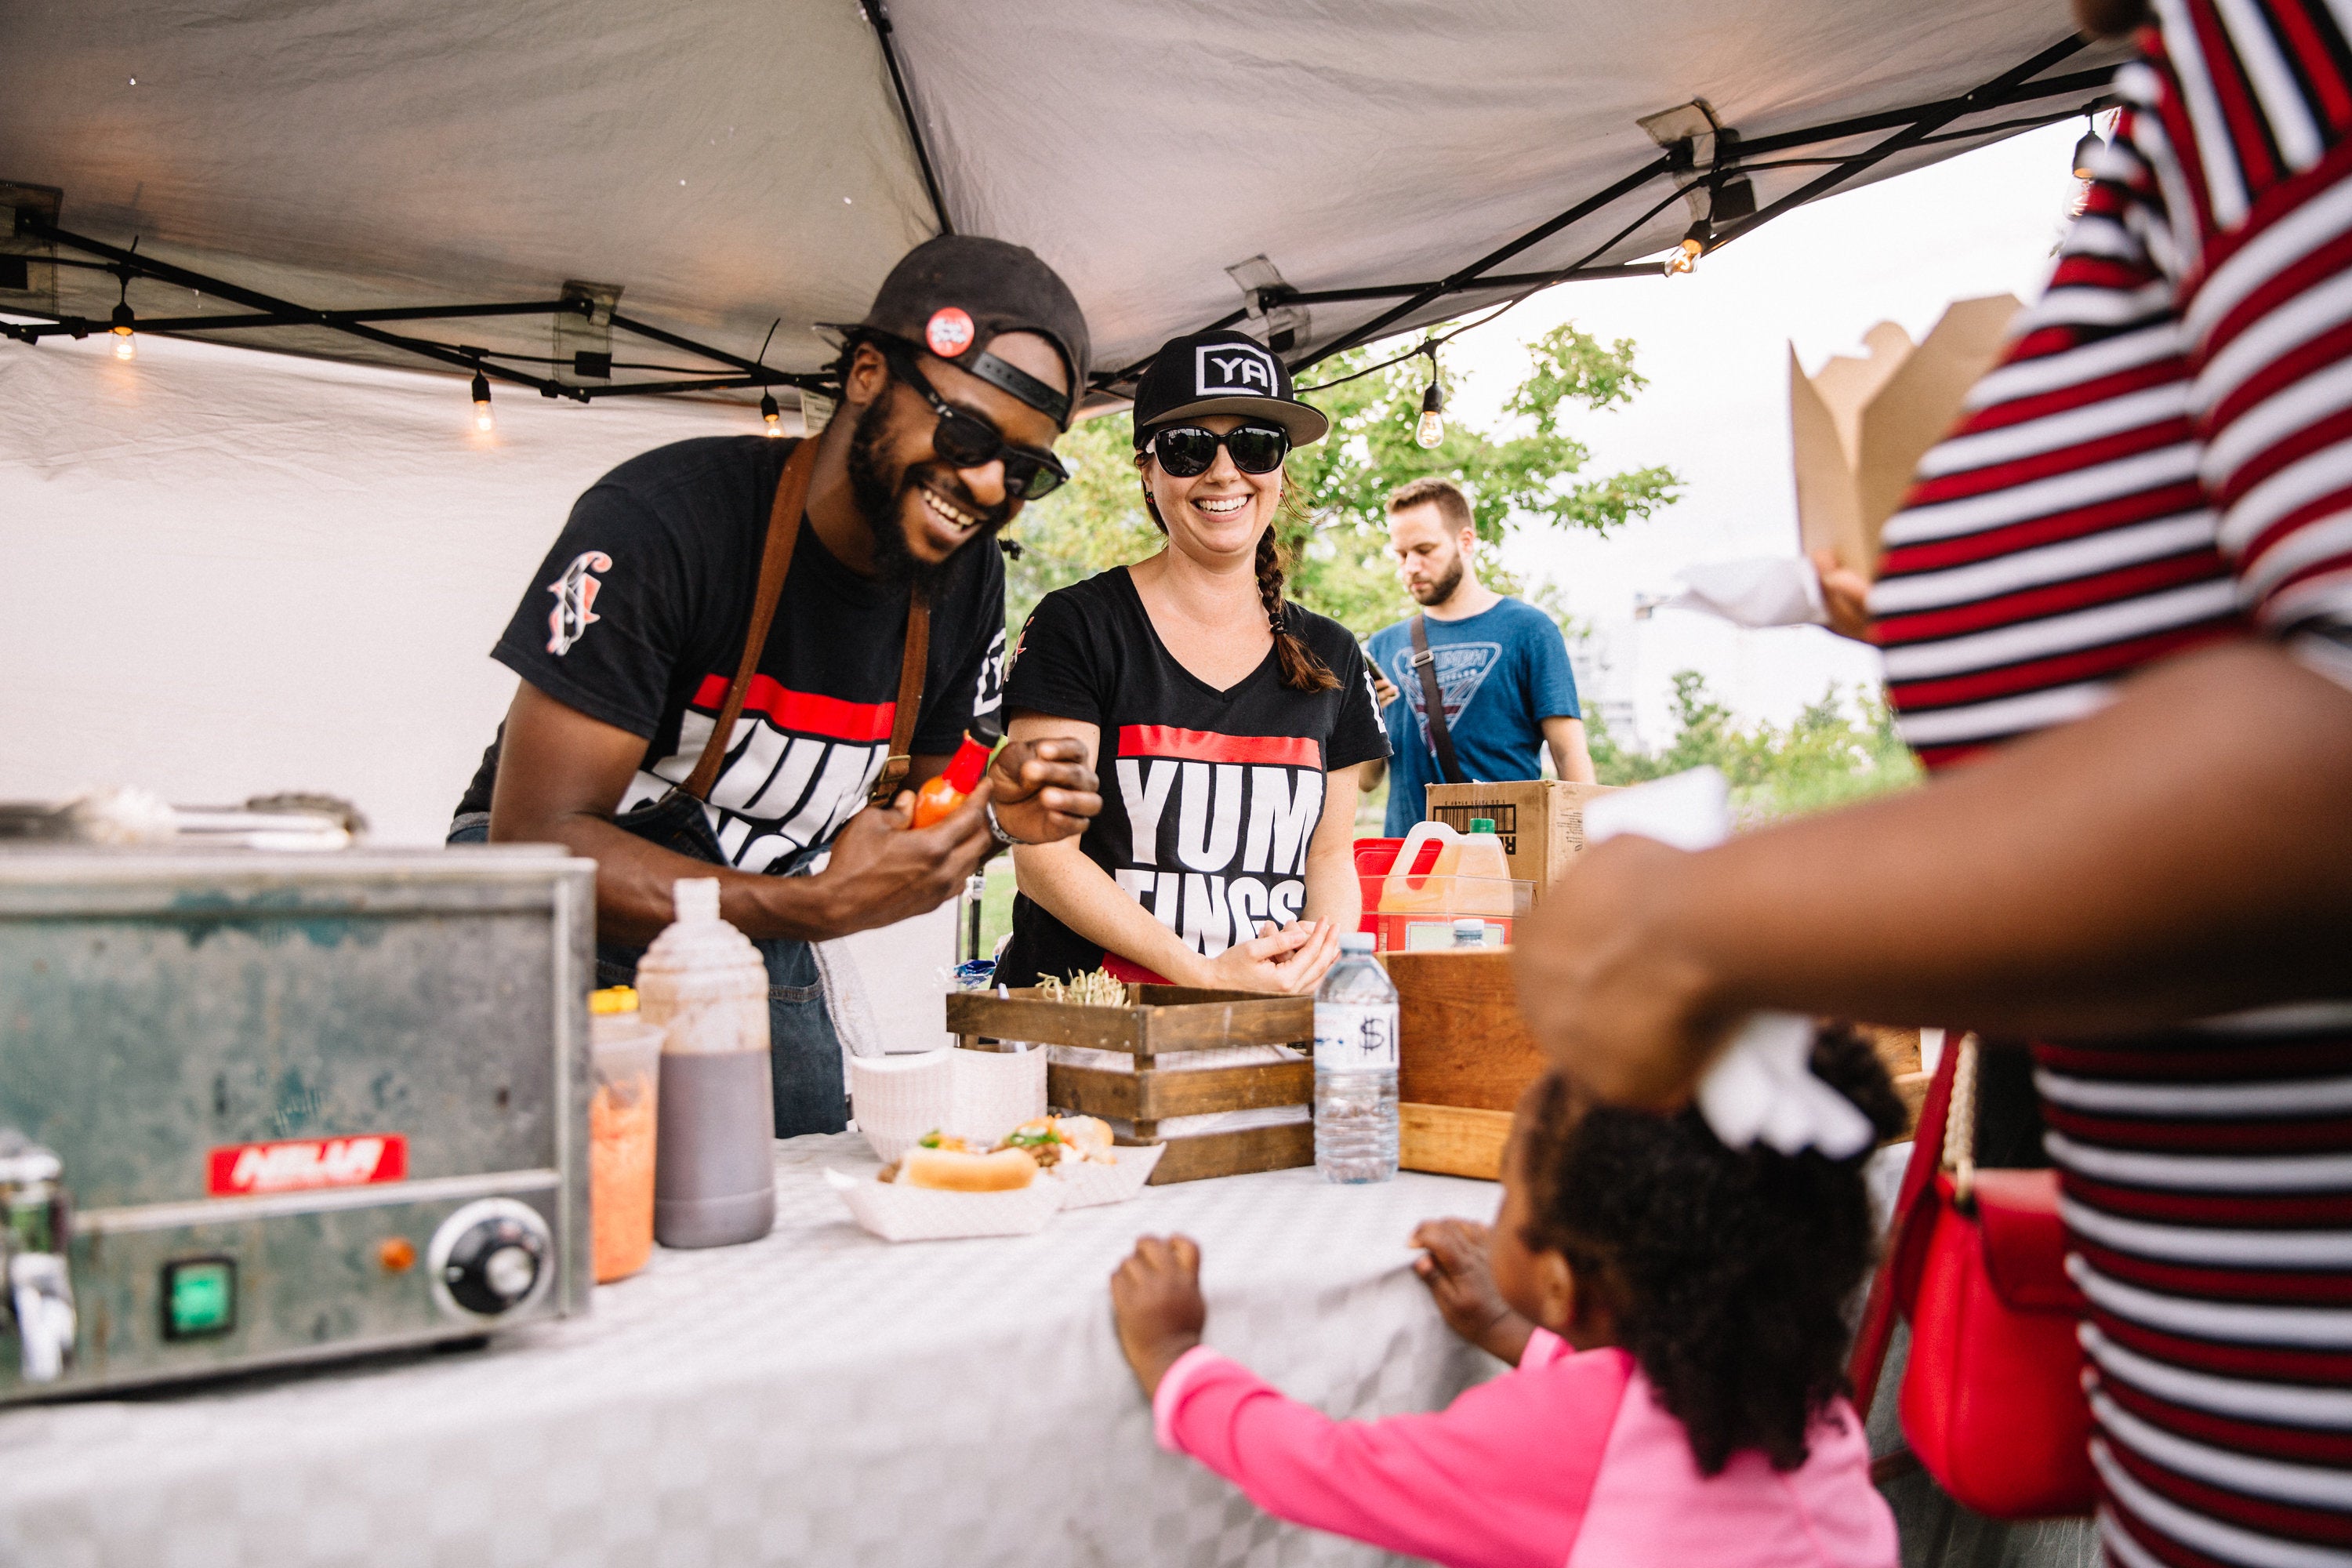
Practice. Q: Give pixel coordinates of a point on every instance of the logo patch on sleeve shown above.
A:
(1229, 370)
(575, 596)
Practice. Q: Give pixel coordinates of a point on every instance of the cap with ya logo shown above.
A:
(1222, 373)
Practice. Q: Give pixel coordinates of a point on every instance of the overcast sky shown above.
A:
(1714, 344)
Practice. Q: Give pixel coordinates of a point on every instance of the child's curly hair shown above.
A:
(1729, 1273)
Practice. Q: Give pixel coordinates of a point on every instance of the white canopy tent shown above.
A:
(724, 164)
(225, 574)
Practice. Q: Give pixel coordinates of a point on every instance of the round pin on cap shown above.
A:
(950, 332)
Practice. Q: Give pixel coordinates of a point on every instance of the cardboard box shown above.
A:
(1539, 821)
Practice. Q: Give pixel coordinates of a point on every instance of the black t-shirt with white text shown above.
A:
(638, 617)
(1209, 798)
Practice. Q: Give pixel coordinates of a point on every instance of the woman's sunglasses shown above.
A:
(965, 440)
(1187, 450)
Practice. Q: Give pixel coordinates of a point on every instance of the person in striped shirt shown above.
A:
(2121, 593)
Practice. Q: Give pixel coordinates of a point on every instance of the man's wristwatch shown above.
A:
(1004, 840)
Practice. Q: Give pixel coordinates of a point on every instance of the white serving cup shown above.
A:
(896, 1100)
(996, 1091)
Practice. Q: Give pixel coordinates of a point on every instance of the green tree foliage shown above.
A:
(1336, 525)
(1829, 755)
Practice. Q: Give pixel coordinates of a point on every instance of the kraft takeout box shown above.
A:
(1859, 425)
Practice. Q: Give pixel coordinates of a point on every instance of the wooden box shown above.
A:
(1539, 821)
(1158, 1021)
(1465, 1055)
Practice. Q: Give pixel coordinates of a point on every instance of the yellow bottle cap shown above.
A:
(613, 999)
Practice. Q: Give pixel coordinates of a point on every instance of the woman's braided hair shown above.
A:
(1730, 1272)
(1301, 670)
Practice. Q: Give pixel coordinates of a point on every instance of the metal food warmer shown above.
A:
(260, 1108)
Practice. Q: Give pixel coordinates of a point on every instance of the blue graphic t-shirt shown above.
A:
(1502, 672)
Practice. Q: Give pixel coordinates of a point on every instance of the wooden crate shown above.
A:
(1160, 1021)
(1465, 1055)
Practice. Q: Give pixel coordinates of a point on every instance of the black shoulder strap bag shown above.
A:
(1432, 704)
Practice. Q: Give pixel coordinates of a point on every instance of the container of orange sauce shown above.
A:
(627, 1069)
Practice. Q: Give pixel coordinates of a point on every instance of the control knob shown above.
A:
(491, 1257)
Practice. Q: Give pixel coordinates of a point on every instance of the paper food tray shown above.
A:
(1089, 1184)
(898, 1213)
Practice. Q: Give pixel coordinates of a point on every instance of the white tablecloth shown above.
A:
(818, 1397)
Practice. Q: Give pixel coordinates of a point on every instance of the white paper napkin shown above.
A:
(1761, 1087)
(1757, 591)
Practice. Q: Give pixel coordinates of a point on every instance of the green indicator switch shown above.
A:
(199, 1297)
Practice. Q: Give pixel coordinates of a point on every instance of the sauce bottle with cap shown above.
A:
(703, 983)
(939, 796)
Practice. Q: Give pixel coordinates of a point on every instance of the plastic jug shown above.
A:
(626, 1052)
(1433, 890)
(1482, 872)
(703, 982)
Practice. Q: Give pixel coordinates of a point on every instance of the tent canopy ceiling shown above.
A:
(726, 163)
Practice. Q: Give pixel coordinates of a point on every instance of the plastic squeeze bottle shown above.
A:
(939, 796)
(703, 982)
(1356, 1068)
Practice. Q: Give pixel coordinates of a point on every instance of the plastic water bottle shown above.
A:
(1356, 1068)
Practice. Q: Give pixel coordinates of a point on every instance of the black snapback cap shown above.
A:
(1223, 373)
(955, 294)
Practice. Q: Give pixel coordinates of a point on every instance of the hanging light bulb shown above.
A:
(1696, 240)
(1430, 429)
(483, 420)
(770, 414)
(2087, 151)
(125, 327)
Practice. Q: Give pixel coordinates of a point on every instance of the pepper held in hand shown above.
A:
(940, 795)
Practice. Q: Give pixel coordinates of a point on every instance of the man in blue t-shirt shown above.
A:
(1501, 663)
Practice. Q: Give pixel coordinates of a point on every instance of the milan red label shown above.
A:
(294, 1164)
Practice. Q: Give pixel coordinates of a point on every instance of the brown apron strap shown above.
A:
(776, 560)
(910, 698)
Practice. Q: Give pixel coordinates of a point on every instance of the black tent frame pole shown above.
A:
(292, 313)
(272, 311)
(1991, 95)
(1920, 121)
(879, 16)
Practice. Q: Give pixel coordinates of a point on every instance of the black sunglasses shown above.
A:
(1185, 450)
(965, 440)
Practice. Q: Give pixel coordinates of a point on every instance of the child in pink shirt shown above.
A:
(1677, 1315)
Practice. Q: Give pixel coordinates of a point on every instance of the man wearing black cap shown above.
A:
(870, 547)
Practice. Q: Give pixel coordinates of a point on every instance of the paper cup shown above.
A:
(995, 1092)
(896, 1213)
(896, 1100)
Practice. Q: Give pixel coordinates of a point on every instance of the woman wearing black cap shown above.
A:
(1231, 722)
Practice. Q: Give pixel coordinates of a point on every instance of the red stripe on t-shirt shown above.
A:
(2295, 1444)
(2325, 1288)
(1208, 746)
(804, 713)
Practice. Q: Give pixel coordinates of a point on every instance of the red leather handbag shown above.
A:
(1992, 1402)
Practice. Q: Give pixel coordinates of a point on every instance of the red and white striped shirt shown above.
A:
(2163, 460)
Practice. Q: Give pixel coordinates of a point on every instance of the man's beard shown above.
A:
(882, 504)
(1437, 593)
